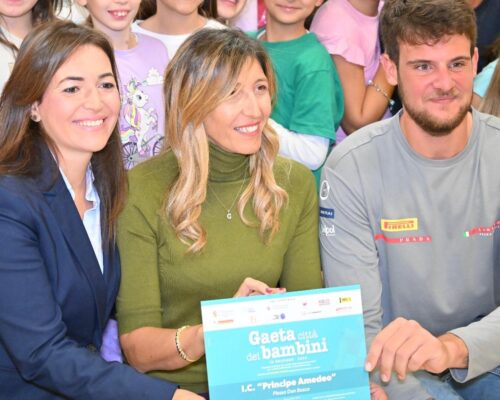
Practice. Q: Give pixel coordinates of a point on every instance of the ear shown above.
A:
(35, 114)
(82, 3)
(390, 68)
(475, 59)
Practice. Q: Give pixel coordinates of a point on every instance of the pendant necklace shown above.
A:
(229, 214)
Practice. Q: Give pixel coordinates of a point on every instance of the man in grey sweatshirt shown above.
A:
(410, 209)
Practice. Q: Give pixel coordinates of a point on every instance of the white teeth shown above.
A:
(247, 129)
(119, 13)
(91, 123)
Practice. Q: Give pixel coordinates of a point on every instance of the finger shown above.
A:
(391, 351)
(257, 287)
(377, 346)
(373, 388)
(275, 290)
(408, 350)
(376, 392)
(251, 286)
(244, 289)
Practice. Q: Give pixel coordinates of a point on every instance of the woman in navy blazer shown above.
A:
(62, 186)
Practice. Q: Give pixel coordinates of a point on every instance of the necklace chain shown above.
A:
(229, 214)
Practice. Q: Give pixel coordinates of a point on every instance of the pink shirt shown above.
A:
(345, 31)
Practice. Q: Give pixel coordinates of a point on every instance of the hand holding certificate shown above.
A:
(300, 345)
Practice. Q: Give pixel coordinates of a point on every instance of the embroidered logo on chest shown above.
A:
(399, 225)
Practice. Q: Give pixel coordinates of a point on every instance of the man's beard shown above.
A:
(432, 125)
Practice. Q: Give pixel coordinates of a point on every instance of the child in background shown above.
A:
(173, 21)
(141, 62)
(241, 14)
(482, 82)
(247, 19)
(349, 31)
(228, 10)
(490, 103)
(483, 79)
(17, 19)
(71, 10)
(309, 104)
(261, 14)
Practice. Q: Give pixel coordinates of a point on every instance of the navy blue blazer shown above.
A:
(54, 300)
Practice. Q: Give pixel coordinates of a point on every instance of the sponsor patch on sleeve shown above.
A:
(326, 212)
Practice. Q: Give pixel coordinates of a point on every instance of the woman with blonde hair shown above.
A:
(217, 214)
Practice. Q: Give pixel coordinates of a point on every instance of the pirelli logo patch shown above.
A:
(399, 225)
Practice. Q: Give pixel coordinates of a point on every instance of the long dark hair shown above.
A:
(42, 53)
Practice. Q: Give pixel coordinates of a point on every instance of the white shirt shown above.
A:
(7, 57)
(73, 11)
(91, 217)
(173, 42)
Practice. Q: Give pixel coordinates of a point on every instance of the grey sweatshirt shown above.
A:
(421, 237)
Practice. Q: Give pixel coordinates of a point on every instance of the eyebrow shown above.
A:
(459, 58)
(81, 79)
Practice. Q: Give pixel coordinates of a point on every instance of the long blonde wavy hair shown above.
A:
(203, 74)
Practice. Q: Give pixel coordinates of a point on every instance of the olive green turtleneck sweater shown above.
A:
(162, 286)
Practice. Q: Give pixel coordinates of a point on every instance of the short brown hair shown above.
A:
(425, 22)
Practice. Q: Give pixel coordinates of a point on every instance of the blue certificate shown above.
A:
(294, 346)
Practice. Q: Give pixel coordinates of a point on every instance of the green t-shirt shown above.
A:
(310, 98)
(162, 286)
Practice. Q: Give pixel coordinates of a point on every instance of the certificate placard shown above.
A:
(293, 346)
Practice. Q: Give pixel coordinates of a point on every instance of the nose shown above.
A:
(252, 106)
(93, 100)
(444, 79)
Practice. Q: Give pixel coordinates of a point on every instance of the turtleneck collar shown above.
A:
(225, 166)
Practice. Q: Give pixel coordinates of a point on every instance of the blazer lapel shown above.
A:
(64, 209)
